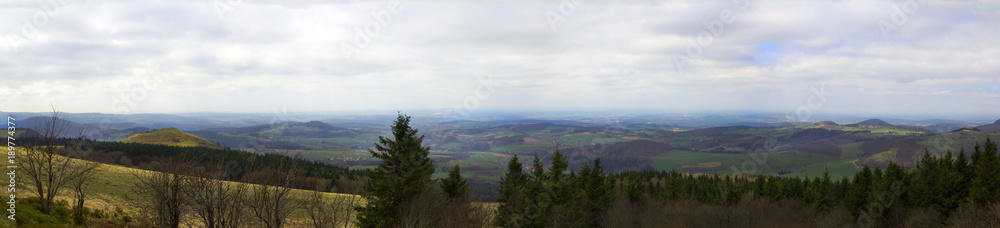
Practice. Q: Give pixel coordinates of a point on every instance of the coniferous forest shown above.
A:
(959, 190)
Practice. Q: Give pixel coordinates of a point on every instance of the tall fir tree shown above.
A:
(598, 191)
(454, 185)
(405, 171)
(985, 185)
(857, 196)
(510, 193)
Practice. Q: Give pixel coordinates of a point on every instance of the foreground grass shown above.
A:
(110, 190)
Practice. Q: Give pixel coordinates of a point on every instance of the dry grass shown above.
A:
(110, 189)
(170, 137)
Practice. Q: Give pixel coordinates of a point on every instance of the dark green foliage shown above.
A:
(405, 172)
(857, 195)
(510, 193)
(454, 185)
(597, 192)
(553, 197)
(237, 162)
(985, 185)
(634, 189)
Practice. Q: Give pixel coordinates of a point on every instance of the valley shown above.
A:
(754, 144)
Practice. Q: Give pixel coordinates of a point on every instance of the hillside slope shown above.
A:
(171, 137)
(993, 127)
(110, 189)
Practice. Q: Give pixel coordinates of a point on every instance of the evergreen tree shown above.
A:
(454, 185)
(857, 196)
(405, 172)
(985, 184)
(597, 190)
(559, 187)
(533, 205)
(510, 193)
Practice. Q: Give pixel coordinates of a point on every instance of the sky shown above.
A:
(935, 57)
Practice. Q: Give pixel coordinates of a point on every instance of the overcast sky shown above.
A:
(249, 56)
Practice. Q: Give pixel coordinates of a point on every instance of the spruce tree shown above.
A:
(559, 188)
(535, 203)
(857, 196)
(510, 193)
(405, 172)
(454, 185)
(597, 188)
(985, 185)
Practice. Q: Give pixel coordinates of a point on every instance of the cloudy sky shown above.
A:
(249, 56)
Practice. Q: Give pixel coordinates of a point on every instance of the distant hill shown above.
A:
(283, 135)
(875, 123)
(948, 127)
(171, 137)
(71, 130)
(870, 123)
(826, 123)
(993, 127)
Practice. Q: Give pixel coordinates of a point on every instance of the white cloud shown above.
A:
(265, 55)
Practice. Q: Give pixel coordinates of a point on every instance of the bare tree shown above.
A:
(270, 197)
(47, 168)
(327, 212)
(216, 204)
(78, 210)
(433, 208)
(161, 194)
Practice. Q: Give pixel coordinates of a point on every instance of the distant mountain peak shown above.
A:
(998, 122)
(874, 122)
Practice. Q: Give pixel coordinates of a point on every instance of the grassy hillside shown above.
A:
(171, 137)
(110, 190)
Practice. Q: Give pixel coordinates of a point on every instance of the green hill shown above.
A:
(171, 137)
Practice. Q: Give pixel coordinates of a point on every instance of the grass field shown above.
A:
(110, 189)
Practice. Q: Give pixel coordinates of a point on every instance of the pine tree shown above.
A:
(923, 181)
(405, 172)
(454, 185)
(564, 207)
(510, 193)
(823, 193)
(985, 185)
(857, 196)
(534, 203)
(597, 188)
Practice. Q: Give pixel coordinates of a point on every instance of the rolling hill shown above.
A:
(70, 129)
(170, 136)
(313, 135)
(878, 123)
(993, 127)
